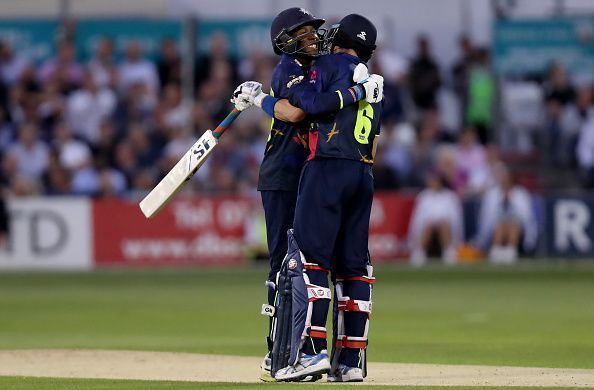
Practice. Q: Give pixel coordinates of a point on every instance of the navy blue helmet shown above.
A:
(353, 32)
(285, 24)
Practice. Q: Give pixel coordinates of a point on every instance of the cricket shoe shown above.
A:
(345, 373)
(307, 366)
(266, 375)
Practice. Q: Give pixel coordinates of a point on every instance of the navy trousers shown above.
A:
(279, 211)
(332, 214)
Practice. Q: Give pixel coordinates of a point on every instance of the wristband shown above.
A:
(268, 104)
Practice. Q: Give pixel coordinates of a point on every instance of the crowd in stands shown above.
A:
(114, 124)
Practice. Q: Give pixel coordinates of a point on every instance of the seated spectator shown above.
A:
(102, 66)
(135, 69)
(88, 107)
(63, 68)
(169, 64)
(436, 222)
(506, 221)
(482, 179)
(12, 66)
(30, 154)
(470, 157)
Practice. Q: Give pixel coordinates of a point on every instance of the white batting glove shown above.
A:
(374, 88)
(245, 95)
(373, 84)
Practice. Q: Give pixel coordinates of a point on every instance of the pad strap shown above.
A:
(343, 341)
(317, 292)
(317, 332)
(366, 279)
(347, 304)
(314, 267)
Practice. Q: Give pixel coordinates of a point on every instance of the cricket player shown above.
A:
(331, 224)
(293, 34)
(294, 37)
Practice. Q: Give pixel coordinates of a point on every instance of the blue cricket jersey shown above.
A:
(286, 148)
(349, 132)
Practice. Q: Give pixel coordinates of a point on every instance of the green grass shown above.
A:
(519, 316)
(19, 383)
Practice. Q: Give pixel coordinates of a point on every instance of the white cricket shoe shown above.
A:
(307, 366)
(346, 374)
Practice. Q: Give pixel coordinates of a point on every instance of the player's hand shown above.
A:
(360, 73)
(244, 95)
(373, 84)
(374, 88)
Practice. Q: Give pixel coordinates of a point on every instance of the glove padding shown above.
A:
(373, 84)
(245, 95)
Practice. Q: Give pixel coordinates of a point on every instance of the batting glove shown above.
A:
(244, 95)
(373, 84)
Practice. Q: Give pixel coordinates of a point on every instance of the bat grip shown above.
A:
(225, 123)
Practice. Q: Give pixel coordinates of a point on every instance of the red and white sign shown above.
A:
(198, 231)
(388, 226)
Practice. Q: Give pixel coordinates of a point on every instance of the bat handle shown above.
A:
(225, 123)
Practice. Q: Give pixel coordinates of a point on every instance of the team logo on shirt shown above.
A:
(313, 76)
(294, 80)
(292, 264)
(362, 35)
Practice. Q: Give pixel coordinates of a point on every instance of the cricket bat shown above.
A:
(185, 168)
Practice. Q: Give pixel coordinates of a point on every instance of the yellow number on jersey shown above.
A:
(363, 123)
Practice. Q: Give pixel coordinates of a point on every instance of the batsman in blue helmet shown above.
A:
(301, 293)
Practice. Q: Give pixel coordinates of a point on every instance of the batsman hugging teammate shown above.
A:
(334, 199)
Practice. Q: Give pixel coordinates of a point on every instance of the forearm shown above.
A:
(286, 112)
(314, 103)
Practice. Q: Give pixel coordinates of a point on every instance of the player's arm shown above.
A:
(305, 100)
(368, 87)
(286, 112)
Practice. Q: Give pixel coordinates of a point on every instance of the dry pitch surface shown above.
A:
(218, 368)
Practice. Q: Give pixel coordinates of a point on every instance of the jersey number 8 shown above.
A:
(364, 122)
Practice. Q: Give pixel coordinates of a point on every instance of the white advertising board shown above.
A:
(48, 234)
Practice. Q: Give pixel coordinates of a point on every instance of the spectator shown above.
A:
(485, 177)
(102, 66)
(50, 109)
(436, 223)
(62, 68)
(506, 217)
(12, 66)
(88, 107)
(56, 179)
(30, 154)
(470, 157)
(461, 71)
(169, 63)
(573, 120)
(136, 70)
(171, 111)
(424, 78)
(218, 52)
(72, 153)
(585, 154)
(481, 95)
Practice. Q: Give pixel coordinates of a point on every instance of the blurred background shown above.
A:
(486, 151)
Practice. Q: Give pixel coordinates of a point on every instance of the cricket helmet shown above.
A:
(352, 32)
(285, 24)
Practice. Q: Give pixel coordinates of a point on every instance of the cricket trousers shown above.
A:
(332, 230)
